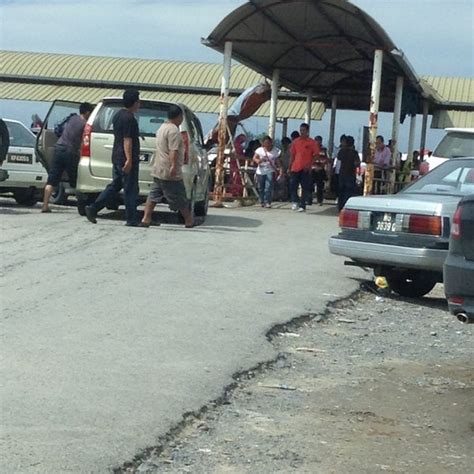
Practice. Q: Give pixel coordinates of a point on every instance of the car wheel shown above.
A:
(26, 197)
(84, 200)
(412, 284)
(59, 195)
(201, 207)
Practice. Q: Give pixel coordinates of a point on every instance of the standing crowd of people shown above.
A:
(303, 167)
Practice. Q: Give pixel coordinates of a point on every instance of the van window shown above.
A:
(455, 145)
(59, 112)
(198, 127)
(149, 117)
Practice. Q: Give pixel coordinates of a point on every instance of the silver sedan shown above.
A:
(405, 236)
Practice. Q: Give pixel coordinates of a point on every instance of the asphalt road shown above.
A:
(110, 334)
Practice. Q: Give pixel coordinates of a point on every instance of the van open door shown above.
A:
(46, 139)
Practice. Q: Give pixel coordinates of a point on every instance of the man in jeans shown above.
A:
(303, 151)
(66, 153)
(167, 171)
(125, 160)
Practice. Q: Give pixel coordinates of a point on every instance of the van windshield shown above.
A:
(455, 145)
(150, 117)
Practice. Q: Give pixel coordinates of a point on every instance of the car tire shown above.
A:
(412, 284)
(59, 195)
(201, 207)
(84, 200)
(26, 197)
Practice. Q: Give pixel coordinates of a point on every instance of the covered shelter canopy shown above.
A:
(323, 46)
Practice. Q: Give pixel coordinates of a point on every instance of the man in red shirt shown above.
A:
(303, 151)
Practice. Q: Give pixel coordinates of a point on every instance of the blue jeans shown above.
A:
(265, 188)
(347, 185)
(304, 179)
(129, 183)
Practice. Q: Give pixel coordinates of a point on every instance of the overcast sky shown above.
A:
(436, 35)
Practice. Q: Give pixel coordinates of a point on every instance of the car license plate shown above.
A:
(144, 157)
(22, 158)
(385, 223)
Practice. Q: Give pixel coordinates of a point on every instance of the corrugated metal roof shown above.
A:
(452, 89)
(124, 70)
(203, 103)
(452, 118)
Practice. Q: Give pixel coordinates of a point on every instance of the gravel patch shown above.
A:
(374, 384)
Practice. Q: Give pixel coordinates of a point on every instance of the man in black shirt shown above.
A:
(66, 153)
(350, 160)
(125, 160)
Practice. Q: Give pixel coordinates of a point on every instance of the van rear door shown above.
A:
(46, 139)
(150, 117)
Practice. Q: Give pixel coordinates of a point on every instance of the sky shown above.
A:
(436, 36)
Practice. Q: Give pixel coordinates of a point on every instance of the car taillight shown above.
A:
(186, 146)
(86, 141)
(349, 219)
(430, 225)
(456, 300)
(456, 224)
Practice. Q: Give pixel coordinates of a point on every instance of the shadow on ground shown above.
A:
(221, 222)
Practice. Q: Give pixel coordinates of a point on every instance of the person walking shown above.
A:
(67, 153)
(349, 159)
(267, 159)
(125, 161)
(167, 170)
(303, 151)
(319, 171)
(336, 166)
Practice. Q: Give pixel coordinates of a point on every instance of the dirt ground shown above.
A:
(375, 384)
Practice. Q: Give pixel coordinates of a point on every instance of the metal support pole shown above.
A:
(284, 132)
(424, 125)
(309, 107)
(411, 137)
(332, 126)
(274, 103)
(373, 119)
(222, 134)
(395, 129)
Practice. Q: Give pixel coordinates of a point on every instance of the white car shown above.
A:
(457, 143)
(26, 175)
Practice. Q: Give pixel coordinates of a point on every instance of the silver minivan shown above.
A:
(95, 165)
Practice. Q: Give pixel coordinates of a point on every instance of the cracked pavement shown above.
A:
(109, 334)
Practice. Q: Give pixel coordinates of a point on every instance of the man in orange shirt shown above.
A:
(303, 151)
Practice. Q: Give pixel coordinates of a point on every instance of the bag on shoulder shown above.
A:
(59, 127)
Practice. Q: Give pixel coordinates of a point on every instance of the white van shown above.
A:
(457, 143)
